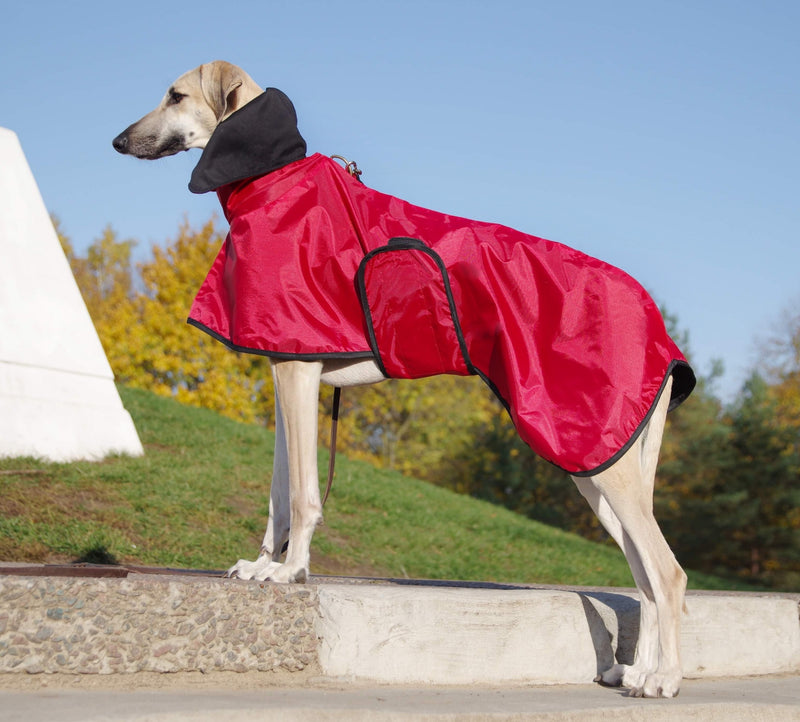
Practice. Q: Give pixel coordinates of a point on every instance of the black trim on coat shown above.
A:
(279, 355)
(676, 370)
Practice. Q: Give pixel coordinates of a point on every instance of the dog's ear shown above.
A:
(219, 82)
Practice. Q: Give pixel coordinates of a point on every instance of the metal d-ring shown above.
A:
(349, 165)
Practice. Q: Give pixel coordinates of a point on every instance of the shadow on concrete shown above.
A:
(624, 626)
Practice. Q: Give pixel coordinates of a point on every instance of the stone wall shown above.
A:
(154, 623)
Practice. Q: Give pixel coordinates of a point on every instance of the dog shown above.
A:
(620, 494)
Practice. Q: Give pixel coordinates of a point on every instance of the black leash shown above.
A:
(337, 394)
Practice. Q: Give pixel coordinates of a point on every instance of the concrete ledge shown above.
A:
(472, 636)
(386, 632)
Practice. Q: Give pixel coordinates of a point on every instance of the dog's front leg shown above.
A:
(297, 385)
(277, 533)
(294, 508)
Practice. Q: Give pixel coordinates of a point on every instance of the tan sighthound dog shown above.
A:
(621, 496)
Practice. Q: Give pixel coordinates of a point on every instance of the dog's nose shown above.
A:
(120, 143)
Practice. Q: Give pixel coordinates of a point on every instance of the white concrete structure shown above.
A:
(57, 395)
(432, 635)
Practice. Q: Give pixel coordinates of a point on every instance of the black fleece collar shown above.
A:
(260, 137)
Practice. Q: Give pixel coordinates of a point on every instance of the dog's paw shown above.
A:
(613, 676)
(286, 574)
(263, 569)
(658, 685)
(623, 675)
(260, 569)
(640, 682)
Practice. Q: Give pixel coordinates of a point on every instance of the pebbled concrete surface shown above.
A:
(154, 623)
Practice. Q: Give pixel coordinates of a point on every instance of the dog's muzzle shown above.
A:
(149, 147)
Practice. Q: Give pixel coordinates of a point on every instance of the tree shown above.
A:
(105, 275)
(761, 492)
(144, 333)
(781, 364)
(727, 491)
(496, 465)
(728, 494)
(166, 355)
(695, 452)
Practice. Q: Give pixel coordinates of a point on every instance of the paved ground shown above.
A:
(198, 698)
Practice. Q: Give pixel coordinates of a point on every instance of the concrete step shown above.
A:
(368, 631)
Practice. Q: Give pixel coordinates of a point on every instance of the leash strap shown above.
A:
(337, 394)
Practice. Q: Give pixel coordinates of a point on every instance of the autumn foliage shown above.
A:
(140, 315)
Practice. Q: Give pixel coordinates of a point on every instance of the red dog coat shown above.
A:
(317, 265)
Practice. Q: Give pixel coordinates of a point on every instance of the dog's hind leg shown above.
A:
(646, 656)
(622, 498)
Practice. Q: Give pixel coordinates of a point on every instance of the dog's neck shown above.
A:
(258, 138)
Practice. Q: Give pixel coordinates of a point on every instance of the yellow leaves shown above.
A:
(787, 397)
(143, 326)
(781, 363)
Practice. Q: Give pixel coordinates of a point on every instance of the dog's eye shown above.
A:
(175, 97)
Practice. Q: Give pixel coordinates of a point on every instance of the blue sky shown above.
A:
(659, 136)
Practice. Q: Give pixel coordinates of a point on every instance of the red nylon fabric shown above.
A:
(575, 347)
(413, 327)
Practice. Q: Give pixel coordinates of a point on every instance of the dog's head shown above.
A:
(189, 112)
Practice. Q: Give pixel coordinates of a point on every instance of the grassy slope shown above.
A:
(198, 499)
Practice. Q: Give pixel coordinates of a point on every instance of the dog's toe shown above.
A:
(612, 677)
(285, 574)
(661, 685)
(261, 570)
(243, 569)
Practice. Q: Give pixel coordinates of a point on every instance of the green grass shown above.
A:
(198, 498)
